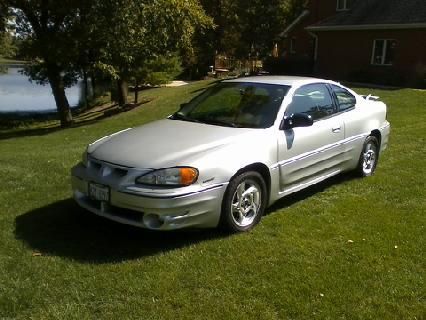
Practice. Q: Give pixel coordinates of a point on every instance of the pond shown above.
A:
(18, 94)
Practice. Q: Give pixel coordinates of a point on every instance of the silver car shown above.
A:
(230, 152)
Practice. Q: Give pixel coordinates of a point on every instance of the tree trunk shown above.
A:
(123, 89)
(136, 92)
(58, 90)
(94, 83)
(86, 89)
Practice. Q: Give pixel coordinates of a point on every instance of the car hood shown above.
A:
(164, 143)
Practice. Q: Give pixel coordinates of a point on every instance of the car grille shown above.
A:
(103, 169)
(126, 214)
(114, 211)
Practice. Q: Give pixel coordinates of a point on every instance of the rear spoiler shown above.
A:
(371, 97)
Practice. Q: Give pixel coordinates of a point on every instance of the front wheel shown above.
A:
(244, 202)
(369, 157)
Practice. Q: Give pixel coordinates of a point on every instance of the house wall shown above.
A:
(347, 55)
(301, 59)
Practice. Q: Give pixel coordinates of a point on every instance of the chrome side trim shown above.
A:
(327, 160)
(387, 125)
(175, 196)
(308, 183)
(319, 150)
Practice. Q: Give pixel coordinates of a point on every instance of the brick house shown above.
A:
(379, 41)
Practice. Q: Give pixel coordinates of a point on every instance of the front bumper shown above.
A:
(200, 208)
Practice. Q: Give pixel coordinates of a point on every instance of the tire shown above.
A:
(369, 157)
(244, 202)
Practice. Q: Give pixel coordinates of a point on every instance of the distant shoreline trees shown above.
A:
(139, 41)
(64, 39)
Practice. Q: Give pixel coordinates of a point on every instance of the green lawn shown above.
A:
(345, 249)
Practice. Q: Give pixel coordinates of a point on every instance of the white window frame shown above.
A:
(342, 8)
(386, 43)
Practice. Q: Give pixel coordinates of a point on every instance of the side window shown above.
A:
(312, 99)
(345, 99)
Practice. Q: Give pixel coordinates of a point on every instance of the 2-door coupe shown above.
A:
(230, 152)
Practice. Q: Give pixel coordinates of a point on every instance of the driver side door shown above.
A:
(310, 154)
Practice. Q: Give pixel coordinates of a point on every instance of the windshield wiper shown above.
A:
(219, 122)
(181, 116)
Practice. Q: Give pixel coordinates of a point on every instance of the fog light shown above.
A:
(152, 221)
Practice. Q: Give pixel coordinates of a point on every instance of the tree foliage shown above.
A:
(51, 29)
(133, 34)
(69, 37)
(261, 22)
(247, 27)
(7, 46)
(159, 70)
(135, 39)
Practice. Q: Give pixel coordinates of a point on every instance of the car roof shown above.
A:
(280, 80)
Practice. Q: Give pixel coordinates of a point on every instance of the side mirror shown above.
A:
(296, 120)
(183, 105)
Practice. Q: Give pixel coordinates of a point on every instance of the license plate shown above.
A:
(98, 192)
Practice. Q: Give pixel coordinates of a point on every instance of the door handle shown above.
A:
(336, 129)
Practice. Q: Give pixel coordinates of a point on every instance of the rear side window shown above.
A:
(312, 99)
(345, 99)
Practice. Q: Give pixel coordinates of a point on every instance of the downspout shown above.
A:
(316, 45)
(315, 50)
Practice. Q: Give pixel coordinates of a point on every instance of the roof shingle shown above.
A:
(372, 12)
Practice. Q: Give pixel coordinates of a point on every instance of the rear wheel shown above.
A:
(369, 157)
(244, 202)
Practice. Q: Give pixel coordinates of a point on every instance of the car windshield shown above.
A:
(235, 104)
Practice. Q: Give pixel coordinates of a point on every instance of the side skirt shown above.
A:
(303, 185)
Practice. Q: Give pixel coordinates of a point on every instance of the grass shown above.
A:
(344, 249)
(15, 124)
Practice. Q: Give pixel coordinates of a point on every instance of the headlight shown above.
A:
(173, 177)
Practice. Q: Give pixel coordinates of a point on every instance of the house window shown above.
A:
(342, 5)
(383, 52)
(293, 45)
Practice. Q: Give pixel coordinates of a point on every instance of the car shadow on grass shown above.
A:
(296, 197)
(67, 230)
(64, 229)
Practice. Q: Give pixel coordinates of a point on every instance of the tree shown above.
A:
(7, 46)
(270, 18)
(52, 30)
(244, 26)
(157, 71)
(65, 39)
(134, 33)
(226, 37)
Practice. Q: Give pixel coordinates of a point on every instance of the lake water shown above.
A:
(18, 94)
